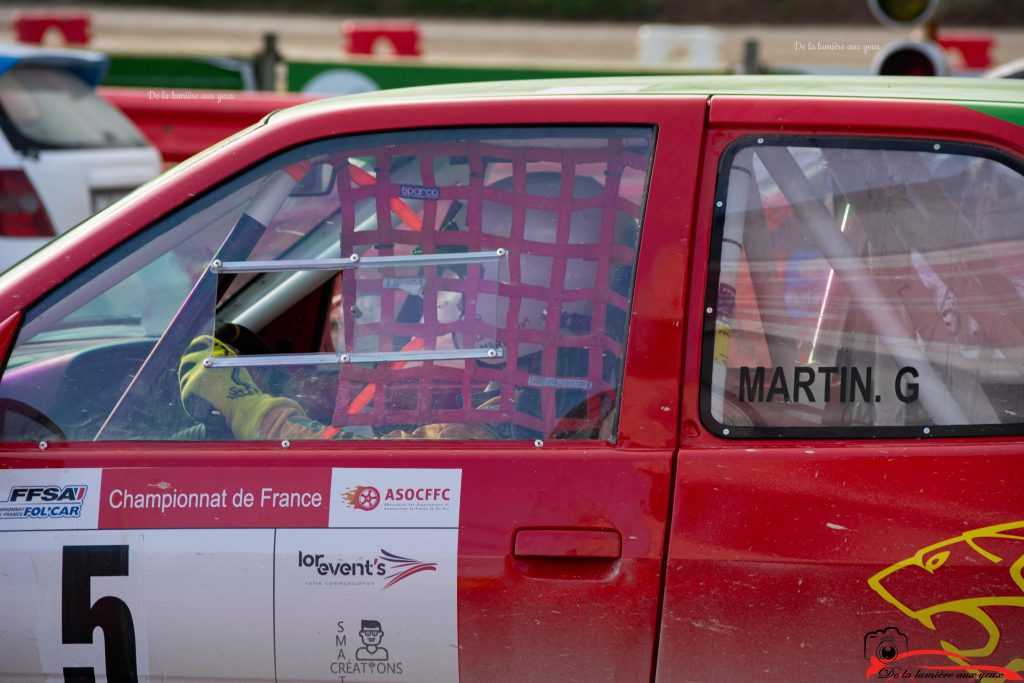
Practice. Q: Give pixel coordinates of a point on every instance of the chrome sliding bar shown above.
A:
(356, 261)
(426, 354)
(345, 358)
(270, 361)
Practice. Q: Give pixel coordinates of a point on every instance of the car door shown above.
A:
(847, 486)
(438, 448)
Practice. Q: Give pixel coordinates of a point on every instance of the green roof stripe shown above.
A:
(1012, 114)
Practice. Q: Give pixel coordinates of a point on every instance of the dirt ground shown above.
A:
(564, 44)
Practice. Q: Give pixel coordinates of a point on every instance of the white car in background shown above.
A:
(65, 152)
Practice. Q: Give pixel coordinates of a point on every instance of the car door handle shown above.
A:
(594, 544)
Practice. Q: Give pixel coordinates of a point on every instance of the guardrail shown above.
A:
(181, 123)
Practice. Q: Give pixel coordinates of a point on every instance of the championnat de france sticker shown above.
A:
(147, 498)
(181, 553)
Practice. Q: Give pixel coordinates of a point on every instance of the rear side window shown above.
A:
(865, 288)
(49, 108)
(443, 284)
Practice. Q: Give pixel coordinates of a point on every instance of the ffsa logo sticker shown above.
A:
(46, 502)
(365, 498)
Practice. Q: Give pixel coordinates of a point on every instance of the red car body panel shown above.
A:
(772, 542)
(561, 488)
(740, 560)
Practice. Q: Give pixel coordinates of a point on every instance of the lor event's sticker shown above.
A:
(374, 597)
(366, 604)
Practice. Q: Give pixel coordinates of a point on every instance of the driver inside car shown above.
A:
(251, 414)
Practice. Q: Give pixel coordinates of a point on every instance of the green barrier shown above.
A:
(389, 75)
(215, 73)
(221, 73)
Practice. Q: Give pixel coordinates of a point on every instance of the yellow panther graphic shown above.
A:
(964, 563)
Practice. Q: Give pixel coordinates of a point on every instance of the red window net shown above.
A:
(567, 211)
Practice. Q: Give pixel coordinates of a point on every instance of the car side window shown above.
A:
(80, 347)
(445, 284)
(865, 288)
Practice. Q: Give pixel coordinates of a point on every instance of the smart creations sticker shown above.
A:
(367, 604)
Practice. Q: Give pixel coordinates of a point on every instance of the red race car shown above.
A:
(614, 380)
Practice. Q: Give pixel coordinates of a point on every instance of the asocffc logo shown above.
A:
(426, 494)
(365, 498)
(47, 501)
(369, 498)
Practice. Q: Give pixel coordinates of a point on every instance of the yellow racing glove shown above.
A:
(232, 392)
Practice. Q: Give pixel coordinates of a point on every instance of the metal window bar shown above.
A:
(353, 262)
(347, 358)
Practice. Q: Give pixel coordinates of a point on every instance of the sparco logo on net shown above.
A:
(370, 498)
(45, 501)
(387, 567)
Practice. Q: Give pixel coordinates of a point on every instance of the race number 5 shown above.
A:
(80, 616)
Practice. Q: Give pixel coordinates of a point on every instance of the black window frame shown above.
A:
(710, 308)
